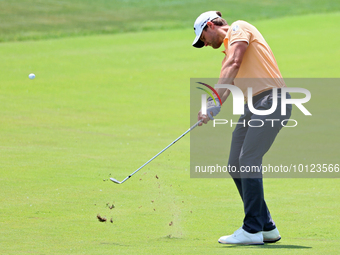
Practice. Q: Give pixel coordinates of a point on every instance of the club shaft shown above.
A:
(191, 128)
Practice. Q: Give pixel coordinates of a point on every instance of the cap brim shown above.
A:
(197, 42)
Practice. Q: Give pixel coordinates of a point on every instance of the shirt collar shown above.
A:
(226, 41)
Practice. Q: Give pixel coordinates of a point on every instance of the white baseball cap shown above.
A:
(200, 23)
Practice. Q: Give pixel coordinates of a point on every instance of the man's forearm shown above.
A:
(227, 76)
(229, 72)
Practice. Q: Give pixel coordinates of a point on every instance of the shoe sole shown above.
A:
(272, 241)
(243, 243)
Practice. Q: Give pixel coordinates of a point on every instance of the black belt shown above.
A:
(264, 93)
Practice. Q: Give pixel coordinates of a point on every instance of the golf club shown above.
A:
(191, 128)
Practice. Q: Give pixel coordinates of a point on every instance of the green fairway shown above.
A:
(102, 105)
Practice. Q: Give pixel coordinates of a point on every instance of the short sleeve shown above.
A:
(238, 33)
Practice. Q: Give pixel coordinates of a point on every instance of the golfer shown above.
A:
(248, 62)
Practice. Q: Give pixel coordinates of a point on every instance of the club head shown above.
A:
(115, 181)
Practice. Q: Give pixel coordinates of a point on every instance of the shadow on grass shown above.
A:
(280, 246)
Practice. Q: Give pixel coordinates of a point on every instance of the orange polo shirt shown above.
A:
(258, 61)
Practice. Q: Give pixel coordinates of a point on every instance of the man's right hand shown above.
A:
(202, 117)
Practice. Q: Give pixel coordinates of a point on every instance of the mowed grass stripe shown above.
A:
(36, 19)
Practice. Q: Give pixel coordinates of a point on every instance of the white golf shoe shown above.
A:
(271, 236)
(241, 236)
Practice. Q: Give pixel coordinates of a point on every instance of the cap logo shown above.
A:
(205, 22)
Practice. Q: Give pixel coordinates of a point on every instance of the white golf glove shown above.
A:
(212, 107)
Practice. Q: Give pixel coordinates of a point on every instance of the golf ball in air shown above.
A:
(31, 76)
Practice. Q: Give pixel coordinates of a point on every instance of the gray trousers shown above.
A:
(248, 146)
